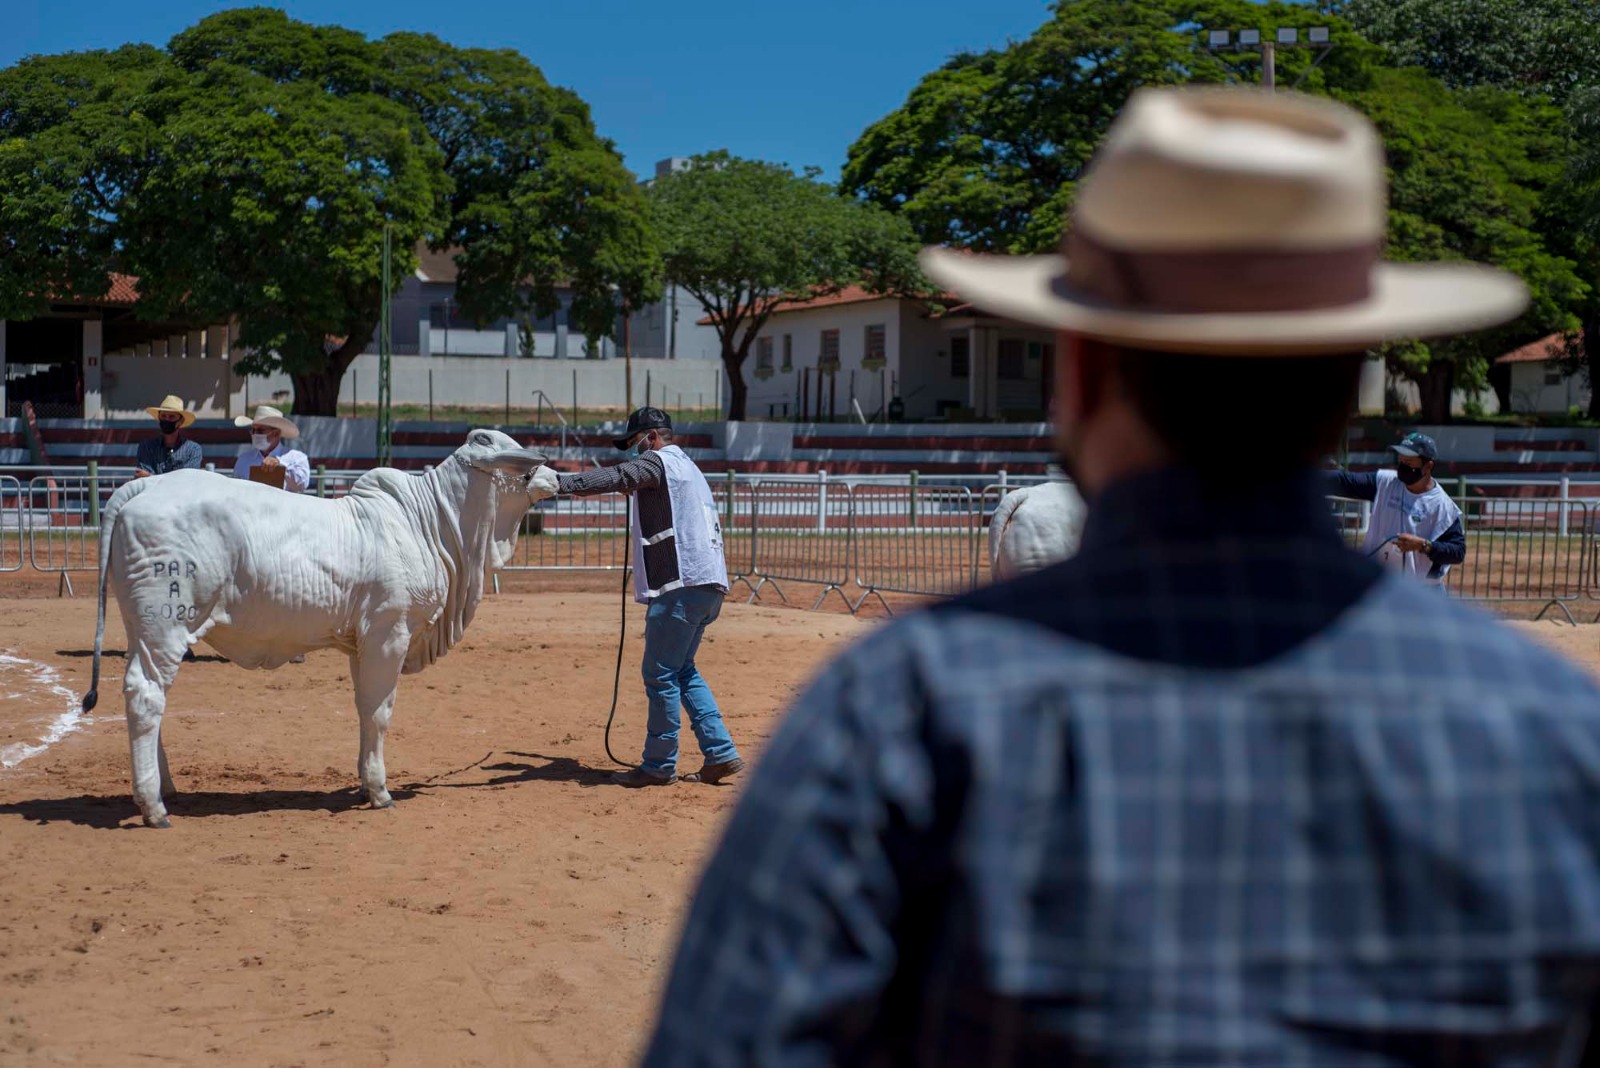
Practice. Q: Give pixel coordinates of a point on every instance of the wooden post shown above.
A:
(508, 396)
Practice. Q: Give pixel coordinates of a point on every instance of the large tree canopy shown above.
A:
(986, 151)
(1542, 49)
(742, 236)
(252, 167)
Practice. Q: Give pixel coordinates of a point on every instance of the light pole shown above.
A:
(1317, 38)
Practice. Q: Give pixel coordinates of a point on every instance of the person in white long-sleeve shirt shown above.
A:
(268, 431)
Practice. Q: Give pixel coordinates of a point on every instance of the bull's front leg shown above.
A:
(375, 668)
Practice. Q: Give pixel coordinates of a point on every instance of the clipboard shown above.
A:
(272, 476)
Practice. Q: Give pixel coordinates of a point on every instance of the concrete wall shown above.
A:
(130, 383)
(1540, 387)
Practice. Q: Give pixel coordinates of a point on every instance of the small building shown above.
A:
(942, 360)
(1538, 382)
(426, 320)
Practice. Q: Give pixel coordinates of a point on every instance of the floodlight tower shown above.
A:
(1317, 37)
(385, 350)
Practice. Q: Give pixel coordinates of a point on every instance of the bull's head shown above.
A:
(520, 478)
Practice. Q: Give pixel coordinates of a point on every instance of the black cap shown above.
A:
(643, 419)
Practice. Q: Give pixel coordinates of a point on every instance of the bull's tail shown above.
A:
(999, 521)
(108, 523)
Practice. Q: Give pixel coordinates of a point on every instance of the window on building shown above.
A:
(1552, 375)
(872, 355)
(828, 360)
(1010, 365)
(763, 354)
(788, 352)
(960, 357)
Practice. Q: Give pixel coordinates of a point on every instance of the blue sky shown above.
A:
(768, 81)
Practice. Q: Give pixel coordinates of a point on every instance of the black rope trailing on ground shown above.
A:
(622, 635)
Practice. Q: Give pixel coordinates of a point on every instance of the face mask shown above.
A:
(261, 442)
(1409, 476)
(637, 450)
(169, 426)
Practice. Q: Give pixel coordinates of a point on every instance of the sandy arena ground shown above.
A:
(512, 909)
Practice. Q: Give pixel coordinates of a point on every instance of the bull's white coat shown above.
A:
(391, 574)
(1035, 527)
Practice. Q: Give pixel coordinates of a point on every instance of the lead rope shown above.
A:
(622, 634)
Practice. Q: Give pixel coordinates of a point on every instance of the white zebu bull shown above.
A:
(391, 574)
(1034, 528)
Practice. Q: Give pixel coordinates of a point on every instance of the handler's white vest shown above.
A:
(695, 536)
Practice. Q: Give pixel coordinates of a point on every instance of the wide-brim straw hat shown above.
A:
(172, 404)
(266, 415)
(1233, 221)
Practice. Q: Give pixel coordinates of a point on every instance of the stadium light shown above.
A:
(1317, 37)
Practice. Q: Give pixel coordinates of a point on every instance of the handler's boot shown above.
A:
(637, 777)
(711, 774)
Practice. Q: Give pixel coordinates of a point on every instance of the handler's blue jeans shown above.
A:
(673, 624)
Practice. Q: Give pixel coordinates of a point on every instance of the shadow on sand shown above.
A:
(108, 812)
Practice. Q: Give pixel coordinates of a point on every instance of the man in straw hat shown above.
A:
(268, 432)
(1216, 790)
(171, 451)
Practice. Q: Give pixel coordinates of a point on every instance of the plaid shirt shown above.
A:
(1216, 791)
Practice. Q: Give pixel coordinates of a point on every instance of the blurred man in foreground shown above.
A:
(1216, 790)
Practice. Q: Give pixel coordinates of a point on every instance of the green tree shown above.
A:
(743, 235)
(252, 167)
(986, 150)
(1536, 48)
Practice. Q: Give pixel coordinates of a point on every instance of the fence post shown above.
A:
(822, 502)
(508, 396)
(1004, 486)
(574, 396)
(430, 394)
(94, 494)
(322, 473)
(915, 478)
(732, 484)
(1566, 496)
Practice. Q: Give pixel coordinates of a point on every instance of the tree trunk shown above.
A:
(1591, 359)
(316, 392)
(737, 390)
(1434, 387)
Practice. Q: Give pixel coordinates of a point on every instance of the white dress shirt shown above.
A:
(297, 469)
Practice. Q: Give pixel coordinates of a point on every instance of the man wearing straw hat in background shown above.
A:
(1216, 790)
(268, 431)
(171, 451)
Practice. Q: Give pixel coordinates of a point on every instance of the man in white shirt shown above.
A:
(268, 431)
(1415, 526)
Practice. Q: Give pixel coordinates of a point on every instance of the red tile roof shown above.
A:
(1548, 348)
(124, 290)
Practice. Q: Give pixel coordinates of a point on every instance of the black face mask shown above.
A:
(1409, 476)
(169, 426)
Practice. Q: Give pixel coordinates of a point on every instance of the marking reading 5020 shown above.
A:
(176, 612)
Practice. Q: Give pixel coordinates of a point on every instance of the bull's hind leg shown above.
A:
(376, 670)
(151, 669)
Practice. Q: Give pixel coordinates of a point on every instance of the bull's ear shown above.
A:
(515, 461)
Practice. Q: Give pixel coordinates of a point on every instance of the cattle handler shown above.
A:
(679, 574)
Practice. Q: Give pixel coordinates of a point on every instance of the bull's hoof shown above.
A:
(385, 802)
(161, 823)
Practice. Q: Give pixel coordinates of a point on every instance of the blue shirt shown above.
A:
(155, 457)
(1215, 791)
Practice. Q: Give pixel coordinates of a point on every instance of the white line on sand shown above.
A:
(42, 680)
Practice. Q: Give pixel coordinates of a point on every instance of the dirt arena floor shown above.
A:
(512, 909)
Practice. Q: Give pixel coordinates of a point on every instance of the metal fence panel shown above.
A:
(801, 532)
(574, 534)
(1521, 549)
(916, 539)
(62, 516)
(11, 524)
